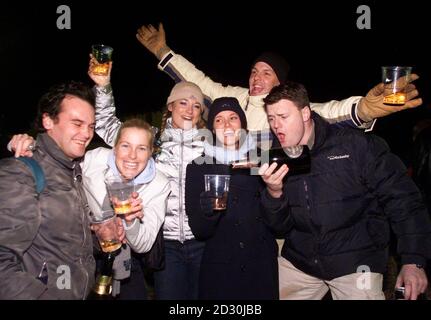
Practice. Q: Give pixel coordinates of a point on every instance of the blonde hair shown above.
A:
(167, 114)
(139, 124)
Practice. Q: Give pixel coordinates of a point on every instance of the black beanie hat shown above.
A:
(225, 104)
(276, 62)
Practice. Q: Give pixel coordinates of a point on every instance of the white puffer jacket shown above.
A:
(140, 235)
(179, 148)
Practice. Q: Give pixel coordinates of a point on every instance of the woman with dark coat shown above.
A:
(240, 255)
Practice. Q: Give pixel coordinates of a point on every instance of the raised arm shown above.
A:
(362, 112)
(372, 107)
(343, 111)
(153, 39)
(178, 68)
(107, 123)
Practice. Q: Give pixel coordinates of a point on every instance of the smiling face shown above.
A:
(262, 79)
(186, 113)
(227, 127)
(73, 128)
(132, 151)
(290, 124)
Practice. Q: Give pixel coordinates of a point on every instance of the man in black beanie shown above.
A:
(276, 62)
(269, 62)
(267, 72)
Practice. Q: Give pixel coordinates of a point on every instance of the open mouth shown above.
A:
(281, 136)
(257, 88)
(229, 133)
(130, 165)
(79, 142)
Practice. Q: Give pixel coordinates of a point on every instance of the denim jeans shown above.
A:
(180, 278)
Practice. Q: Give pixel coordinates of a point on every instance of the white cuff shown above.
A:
(368, 126)
(165, 60)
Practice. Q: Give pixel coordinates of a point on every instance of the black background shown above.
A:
(320, 40)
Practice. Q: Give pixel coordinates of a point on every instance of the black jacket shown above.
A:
(337, 217)
(421, 163)
(240, 256)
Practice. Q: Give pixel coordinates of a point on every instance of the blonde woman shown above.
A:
(178, 147)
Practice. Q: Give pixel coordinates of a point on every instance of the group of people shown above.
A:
(335, 219)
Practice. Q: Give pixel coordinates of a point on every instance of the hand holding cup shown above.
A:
(120, 193)
(106, 228)
(103, 57)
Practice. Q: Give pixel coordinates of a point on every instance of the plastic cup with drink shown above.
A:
(120, 193)
(103, 55)
(218, 188)
(105, 227)
(395, 80)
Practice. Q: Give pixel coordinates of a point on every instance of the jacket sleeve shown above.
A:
(344, 112)
(203, 226)
(141, 235)
(386, 177)
(19, 222)
(180, 69)
(276, 213)
(107, 124)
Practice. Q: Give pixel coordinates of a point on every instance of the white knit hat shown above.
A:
(185, 90)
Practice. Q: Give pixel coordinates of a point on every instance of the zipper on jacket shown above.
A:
(83, 246)
(307, 197)
(43, 274)
(180, 191)
(80, 259)
(84, 220)
(84, 204)
(86, 279)
(314, 231)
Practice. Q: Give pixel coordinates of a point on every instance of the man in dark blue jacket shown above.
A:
(336, 218)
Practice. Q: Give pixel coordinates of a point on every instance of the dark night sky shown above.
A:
(325, 49)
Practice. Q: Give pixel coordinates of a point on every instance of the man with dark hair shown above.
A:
(336, 218)
(51, 103)
(46, 247)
